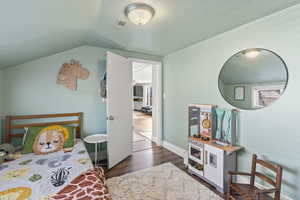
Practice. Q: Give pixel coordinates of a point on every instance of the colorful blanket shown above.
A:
(89, 185)
(38, 177)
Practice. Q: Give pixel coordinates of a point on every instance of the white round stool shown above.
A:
(96, 139)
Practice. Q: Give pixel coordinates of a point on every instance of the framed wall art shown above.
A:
(239, 93)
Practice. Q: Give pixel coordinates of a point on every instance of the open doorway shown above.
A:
(142, 105)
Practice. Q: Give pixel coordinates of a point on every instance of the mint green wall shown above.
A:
(31, 88)
(191, 76)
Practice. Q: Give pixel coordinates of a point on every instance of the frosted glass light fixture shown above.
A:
(139, 13)
(252, 53)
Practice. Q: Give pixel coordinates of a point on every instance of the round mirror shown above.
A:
(253, 79)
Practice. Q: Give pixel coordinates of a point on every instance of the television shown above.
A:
(138, 91)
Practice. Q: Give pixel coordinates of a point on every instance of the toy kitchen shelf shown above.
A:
(211, 161)
(211, 158)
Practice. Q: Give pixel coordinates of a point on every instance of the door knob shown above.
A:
(110, 118)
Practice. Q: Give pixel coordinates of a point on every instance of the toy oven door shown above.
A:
(196, 153)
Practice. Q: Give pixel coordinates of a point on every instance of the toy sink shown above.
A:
(220, 143)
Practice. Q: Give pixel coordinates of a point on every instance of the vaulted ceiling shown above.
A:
(31, 29)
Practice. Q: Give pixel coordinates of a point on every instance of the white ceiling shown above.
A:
(266, 67)
(33, 28)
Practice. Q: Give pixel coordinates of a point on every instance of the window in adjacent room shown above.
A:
(265, 95)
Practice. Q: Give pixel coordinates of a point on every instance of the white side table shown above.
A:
(96, 139)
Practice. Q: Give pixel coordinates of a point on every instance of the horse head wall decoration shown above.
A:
(70, 72)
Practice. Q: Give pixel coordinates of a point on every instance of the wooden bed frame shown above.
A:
(10, 126)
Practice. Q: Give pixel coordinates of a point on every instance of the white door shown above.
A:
(119, 108)
(213, 167)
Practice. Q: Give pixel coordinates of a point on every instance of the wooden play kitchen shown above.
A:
(212, 143)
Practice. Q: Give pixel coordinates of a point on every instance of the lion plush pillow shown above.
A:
(44, 140)
(48, 141)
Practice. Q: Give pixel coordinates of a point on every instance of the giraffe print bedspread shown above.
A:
(38, 177)
(89, 185)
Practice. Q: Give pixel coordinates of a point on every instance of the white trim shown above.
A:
(175, 149)
(157, 102)
(157, 98)
(154, 139)
(242, 179)
(144, 61)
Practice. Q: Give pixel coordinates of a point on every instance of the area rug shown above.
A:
(163, 182)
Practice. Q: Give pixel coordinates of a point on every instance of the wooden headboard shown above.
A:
(10, 125)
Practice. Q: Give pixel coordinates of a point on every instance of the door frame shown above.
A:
(157, 98)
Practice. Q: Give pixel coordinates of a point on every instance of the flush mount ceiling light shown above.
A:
(139, 13)
(252, 53)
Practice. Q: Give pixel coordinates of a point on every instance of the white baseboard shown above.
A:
(154, 139)
(242, 179)
(177, 150)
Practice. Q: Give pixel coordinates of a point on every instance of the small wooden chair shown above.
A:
(249, 191)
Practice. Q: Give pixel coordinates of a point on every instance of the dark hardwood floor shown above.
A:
(151, 157)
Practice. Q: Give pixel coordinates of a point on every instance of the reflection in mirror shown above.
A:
(253, 79)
